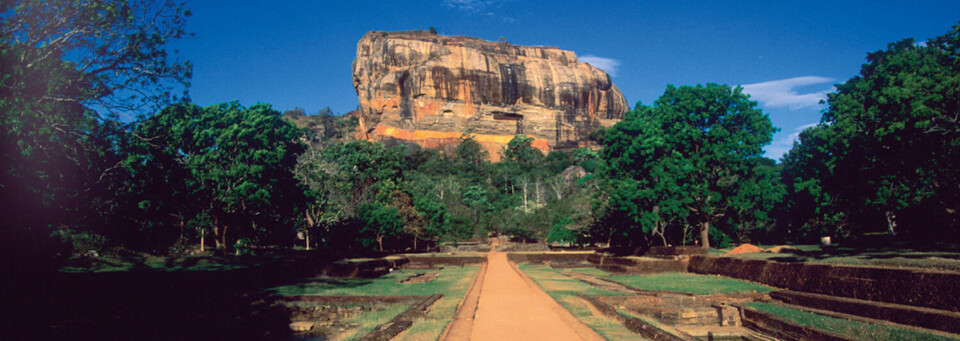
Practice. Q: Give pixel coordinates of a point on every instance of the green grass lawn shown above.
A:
(452, 282)
(564, 290)
(855, 329)
(948, 259)
(692, 283)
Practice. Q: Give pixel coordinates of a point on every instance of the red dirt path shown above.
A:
(513, 307)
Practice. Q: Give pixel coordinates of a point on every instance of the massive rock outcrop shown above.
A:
(430, 89)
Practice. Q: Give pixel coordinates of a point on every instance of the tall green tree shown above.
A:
(689, 154)
(69, 69)
(325, 189)
(367, 166)
(891, 138)
(238, 161)
(470, 155)
(810, 210)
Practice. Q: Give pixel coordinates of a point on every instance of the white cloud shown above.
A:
(781, 93)
(776, 149)
(473, 6)
(480, 7)
(605, 64)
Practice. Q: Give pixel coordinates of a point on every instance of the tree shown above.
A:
(470, 155)
(520, 151)
(892, 137)
(809, 211)
(556, 161)
(239, 160)
(447, 185)
(523, 181)
(324, 185)
(558, 185)
(438, 221)
(753, 206)
(381, 221)
(117, 47)
(559, 233)
(69, 68)
(691, 151)
(414, 223)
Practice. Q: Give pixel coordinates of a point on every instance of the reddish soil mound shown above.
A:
(745, 248)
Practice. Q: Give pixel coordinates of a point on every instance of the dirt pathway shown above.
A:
(513, 307)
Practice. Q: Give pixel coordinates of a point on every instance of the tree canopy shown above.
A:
(886, 151)
(234, 163)
(69, 70)
(691, 158)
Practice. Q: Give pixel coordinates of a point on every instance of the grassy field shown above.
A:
(564, 289)
(855, 329)
(452, 282)
(946, 260)
(692, 283)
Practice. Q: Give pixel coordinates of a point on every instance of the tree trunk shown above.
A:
(223, 237)
(216, 232)
(201, 241)
(306, 235)
(891, 222)
(380, 242)
(415, 243)
(705, 234)
(524, 197)
(662, 231)
(183, 227)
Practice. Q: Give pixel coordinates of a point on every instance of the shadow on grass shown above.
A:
(310, 286)
(144, 303)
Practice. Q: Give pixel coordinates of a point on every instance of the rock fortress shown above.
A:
(428, 89)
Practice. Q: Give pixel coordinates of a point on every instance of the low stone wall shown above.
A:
(630, 265)
(464, 247)
(402, 322)
(898, 313)
(674, 251)
(782, 328)
(520, 247)
(434, 261)
(932, 289)
(635, 325)
(364, 269)
(548, 257)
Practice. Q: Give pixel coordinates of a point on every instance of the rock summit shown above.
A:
(429, 89)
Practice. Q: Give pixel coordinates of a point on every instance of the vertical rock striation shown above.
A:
(430, 89)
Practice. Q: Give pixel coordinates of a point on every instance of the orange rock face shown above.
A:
(429, 89)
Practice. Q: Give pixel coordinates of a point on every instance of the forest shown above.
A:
(101, 148)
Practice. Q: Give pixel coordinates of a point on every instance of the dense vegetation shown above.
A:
(97, 150)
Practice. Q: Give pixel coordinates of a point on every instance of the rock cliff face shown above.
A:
(429, 89)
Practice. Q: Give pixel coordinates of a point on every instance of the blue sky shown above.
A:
(786, 54)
